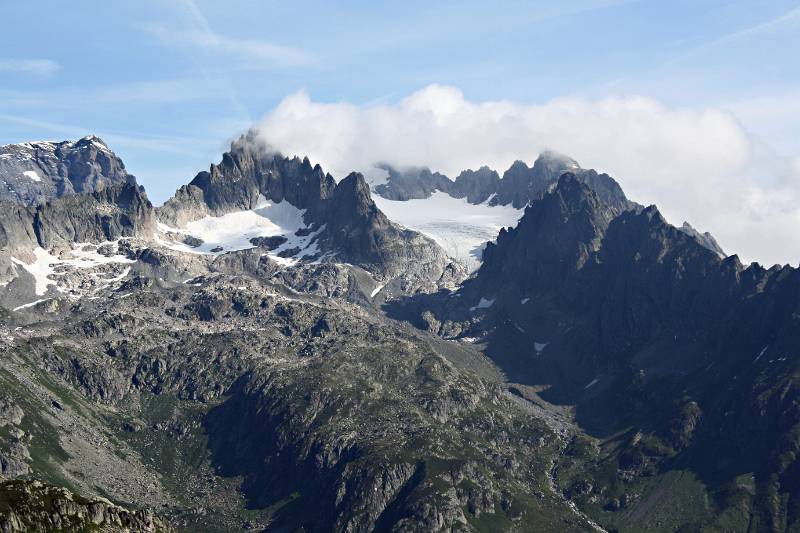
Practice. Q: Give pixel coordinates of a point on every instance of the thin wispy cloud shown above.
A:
(37, 67)
(150, 92)
(201, 35)
(789, 17)
(260, 52)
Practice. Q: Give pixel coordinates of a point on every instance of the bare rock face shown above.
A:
(554, 238)
(363, 235)
(106, 215)
(35, 172)
(705, 239)
(14, 455)
(109, 214)
(32, 506)
(476, 186)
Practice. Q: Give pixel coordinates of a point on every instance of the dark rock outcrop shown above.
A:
(411, 183)
(105, 215)
(476, 186)
(554, 239)
(32, 506)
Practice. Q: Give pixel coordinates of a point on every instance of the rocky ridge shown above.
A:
(345, 223)
(518, 186)
(35, 172)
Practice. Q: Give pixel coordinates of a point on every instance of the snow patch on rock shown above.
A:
(234, 231)
(461, 228)
(32, 175)
(47, 269)
(25, 306)
(376, 290)
(483, 304)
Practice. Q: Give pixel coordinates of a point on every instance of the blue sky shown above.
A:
(168, 83)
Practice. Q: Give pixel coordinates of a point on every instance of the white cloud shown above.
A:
(698, 165)
(38, 67)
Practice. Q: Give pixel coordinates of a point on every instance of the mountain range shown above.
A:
(274, 350)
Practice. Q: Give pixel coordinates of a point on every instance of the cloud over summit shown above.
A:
(698, 165)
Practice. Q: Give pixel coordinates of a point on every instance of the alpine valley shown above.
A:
(275, 350)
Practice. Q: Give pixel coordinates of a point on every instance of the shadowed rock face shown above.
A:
(33, 173)
(554, 238)
(630, 277)
(681, 360)
(109, 214)
(476, 186)
(106, 215)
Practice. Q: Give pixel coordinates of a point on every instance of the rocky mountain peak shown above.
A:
(34, 172)
(344, 220)
(521, 184)
(92, 140)
(705, 239)
(476, 186)
(352, 193)
(653, 215)
(411, 183)
(518, 166)
(555, 162)
(554, 238)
